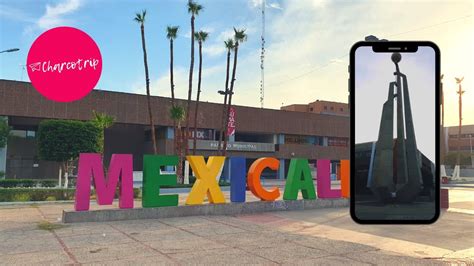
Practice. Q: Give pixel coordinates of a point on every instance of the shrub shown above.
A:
(48, 183)
(46, 194)
(21, 197)
(11, 183)
(2, 174)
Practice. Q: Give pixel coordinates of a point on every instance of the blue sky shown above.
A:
(307, 43)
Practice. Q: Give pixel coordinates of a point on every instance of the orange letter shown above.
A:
(345, 185)
(253, 179)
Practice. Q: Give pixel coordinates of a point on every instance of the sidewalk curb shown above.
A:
(107, 215)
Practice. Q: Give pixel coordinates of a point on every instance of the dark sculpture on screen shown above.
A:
(396, 171)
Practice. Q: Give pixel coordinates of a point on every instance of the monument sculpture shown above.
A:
(396, 175)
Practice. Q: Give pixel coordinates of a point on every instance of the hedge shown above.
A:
(46, 194)
(11, 183)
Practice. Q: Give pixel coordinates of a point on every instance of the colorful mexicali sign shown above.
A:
(121, 169)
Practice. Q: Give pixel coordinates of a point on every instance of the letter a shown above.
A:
(299, 178)
(206, 182)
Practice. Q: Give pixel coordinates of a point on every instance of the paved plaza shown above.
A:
(33, 234)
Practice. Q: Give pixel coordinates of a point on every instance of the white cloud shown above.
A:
(54, 15)
(308, 43)
(214, 49)
(275, 6)
(268, 4)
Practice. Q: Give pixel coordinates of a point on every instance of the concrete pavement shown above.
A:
(323, 236)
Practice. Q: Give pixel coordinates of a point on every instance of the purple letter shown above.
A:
(324, 181)
(90, 165)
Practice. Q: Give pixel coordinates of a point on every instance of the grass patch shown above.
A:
(48, 226)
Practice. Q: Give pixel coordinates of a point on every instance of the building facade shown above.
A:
(466, 140)
(320, 107)
(259, 132)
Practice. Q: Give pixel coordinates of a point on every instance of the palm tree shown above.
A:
(102, 121)
(140, 18)
(201, 37)
(171, 34)
(239, 37)
(193, 8)
(229, 45)
(178, 114)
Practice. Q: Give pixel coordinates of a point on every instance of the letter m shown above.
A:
(91, 167)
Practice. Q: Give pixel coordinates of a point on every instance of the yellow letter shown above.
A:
(206, 182)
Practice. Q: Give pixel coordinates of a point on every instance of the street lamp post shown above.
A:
(458, 159)
(10, 50)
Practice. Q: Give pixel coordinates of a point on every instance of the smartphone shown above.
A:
(395, 120)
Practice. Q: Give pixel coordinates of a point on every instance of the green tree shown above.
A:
(194, 9)
(229, 45)
(178, 114)
(451, 158)
(4, 132)
(102, 121)
(140, 18)
(201, 37)
(239, 37)
(63, 140)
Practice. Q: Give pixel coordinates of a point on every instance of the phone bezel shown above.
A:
(384, 46)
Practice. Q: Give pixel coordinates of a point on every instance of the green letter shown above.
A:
(299, 177)
(153, 179)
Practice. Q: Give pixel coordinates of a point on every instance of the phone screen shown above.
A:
(395, 125)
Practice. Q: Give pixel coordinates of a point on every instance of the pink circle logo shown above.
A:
(64, 64)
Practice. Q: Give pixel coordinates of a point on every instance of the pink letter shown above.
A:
(90, 166)
(324, 181)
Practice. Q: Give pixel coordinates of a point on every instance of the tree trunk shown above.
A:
(60, 183)
(231, 91)
(191, 69)
(66, 174)
(176, 139)
(179, 167)
(197, 99)
(148, 97)
(224, 109)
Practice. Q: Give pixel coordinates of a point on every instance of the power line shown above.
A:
(343, 56)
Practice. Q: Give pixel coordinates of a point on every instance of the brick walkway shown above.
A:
(326, 236)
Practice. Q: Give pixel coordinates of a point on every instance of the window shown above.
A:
(332, 108)
(311, 109)
(30, 134)
(342, 109)
(340, 142)
(325, 107)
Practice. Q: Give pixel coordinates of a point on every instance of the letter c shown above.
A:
(253, 179)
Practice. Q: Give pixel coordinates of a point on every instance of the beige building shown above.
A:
(320, 107)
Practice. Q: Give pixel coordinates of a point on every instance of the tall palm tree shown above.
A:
(171, 34)
(140, 18)
(102, 121)
(201, 37)
(178, 114)
(229, 45)
(239, 37)
(193, 8)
